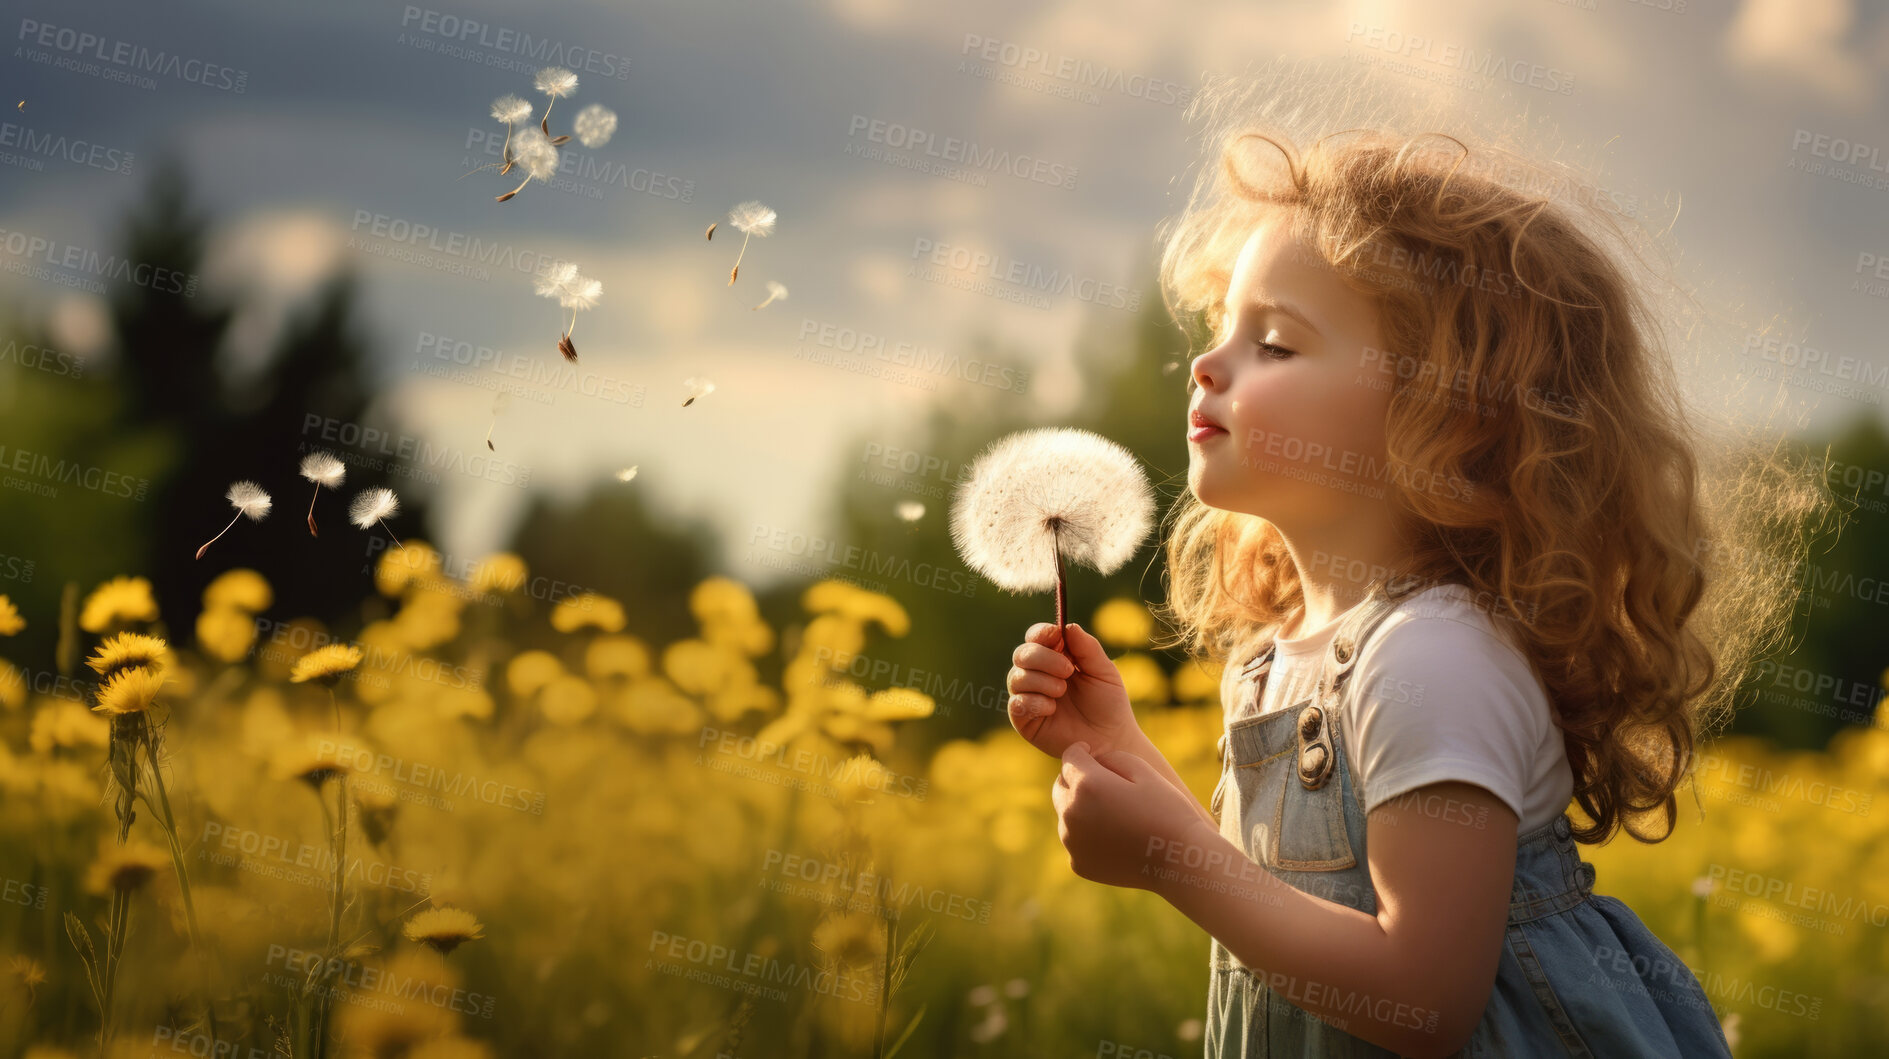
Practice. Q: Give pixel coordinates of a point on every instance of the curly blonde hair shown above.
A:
(1644, 566)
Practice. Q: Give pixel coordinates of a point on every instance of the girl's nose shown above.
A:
(1205, 370)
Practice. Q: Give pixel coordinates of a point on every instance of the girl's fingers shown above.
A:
(1030, 707)
(1022, 680)
(1037, 656)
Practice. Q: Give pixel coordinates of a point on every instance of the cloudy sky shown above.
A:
(321, 133)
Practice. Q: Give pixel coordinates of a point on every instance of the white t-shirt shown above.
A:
(1438, 694)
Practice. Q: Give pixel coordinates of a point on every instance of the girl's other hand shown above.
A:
(1059, 698)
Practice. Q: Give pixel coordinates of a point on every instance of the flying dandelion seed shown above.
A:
(573, 291)
(322, 469)
(375, 505)
(509, 110)
(776, 292)
(1036, 496)
(698, 387)
(556, 82)
(582, 293)
(753, 219)
(499, 401)
(911, 510)
(538, 155)
(595, 125)
(248, 499)
(710, 234)
(627, 473)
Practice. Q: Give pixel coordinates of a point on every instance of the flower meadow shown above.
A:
(475, 823)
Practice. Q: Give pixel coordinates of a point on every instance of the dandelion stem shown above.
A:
(573, 327)
(390, 533)
(744, 249)
(183, 884)
(545, 122)
(311, 511)
(1055, 529)
(516, 190)
(213, 540)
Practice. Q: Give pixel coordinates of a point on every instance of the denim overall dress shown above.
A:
(1579, 975)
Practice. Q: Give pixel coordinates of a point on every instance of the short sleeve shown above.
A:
(1440, 699)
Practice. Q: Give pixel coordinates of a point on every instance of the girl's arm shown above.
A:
(1414, 978)
(1142, 747)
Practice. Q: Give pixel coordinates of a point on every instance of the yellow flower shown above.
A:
(616, 656)
(897, 704)
(567, 700)
(697, 667)
(1197, 681)
(1143, 677)
(241, 589)
(128, 649)
(445, 929)
(400, 567)
(226, 633)
(590, 608)
(10, 620)
(67, 724)
(326, 663)
(117, 602)
(125, 867)
(12, 685)
(500, 572)
(310, 762)
(851, 938)
(454, 1047)
(130, 690)
(722, 599)
(530, 670)
(1123, 622)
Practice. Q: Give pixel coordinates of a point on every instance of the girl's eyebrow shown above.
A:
(1277, 307)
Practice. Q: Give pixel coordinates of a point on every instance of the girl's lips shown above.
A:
(1203, 433)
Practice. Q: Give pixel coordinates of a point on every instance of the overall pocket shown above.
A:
(1288, 825)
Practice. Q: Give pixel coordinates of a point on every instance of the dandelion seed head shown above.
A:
(556, 82)
(250, 499)
(699, 386)
(372, 505)
(533, 150)
(323, 469)
(582, 293)
(753, 218)
(776, 291)
(595, 125)
(555, 280)
(510, 109)
(1034, 489)
(626, 473)
(911, 510)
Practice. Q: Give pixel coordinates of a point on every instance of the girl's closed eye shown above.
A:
(1275, 352)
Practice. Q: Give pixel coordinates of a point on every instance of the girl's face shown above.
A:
(1298, 386)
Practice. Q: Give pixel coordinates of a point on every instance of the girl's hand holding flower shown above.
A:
(1116, 814)
(1059, 695)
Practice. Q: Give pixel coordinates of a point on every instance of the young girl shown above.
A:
(1445, 529)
